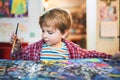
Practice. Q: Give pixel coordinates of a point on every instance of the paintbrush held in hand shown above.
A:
(14, 42)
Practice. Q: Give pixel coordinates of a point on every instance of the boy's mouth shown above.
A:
(46, 41)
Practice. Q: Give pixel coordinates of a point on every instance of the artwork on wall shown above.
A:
(108, 12)
(108, 15)
(7, 29)
(13, 8)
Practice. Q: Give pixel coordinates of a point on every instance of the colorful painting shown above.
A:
(109, 18)
(79, 69)
(13, 8)
(108, 11)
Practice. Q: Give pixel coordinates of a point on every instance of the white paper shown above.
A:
(108, 29)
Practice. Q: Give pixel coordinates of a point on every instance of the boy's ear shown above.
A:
(65, 34)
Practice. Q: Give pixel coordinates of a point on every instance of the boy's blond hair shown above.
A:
(56, 18)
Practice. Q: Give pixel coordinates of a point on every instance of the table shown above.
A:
(77, 69)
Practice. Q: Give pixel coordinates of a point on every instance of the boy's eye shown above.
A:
(50, 32)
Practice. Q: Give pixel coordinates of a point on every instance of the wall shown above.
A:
(91, 24)
(107, 44)
(94, 41)
(29, 30)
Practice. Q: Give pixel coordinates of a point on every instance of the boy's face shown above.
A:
(52, 37)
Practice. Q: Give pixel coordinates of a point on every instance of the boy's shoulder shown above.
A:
(69, 43)
(40, 42)
(36, 44)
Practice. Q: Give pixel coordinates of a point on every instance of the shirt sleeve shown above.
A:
(84, 53)
(30, 52)
(76, 51)
(22, 54)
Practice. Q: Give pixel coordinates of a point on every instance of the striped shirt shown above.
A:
(50, 53)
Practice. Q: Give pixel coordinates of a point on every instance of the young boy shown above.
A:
(55, 25)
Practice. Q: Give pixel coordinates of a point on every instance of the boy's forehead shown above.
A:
(48, 28)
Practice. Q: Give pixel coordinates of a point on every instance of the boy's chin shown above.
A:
(48, 44)
(52, 45)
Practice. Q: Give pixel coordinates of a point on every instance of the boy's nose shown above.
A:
(44, 35)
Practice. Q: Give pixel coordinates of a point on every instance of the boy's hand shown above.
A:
(17, 44)
(116, 56)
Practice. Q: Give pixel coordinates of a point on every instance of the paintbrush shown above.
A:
(14, 42)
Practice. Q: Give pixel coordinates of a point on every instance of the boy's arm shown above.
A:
(77, 52)
(96, 54)
(84, 53)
